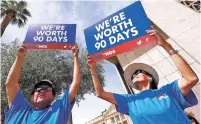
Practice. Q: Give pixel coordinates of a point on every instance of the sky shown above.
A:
(84, 14)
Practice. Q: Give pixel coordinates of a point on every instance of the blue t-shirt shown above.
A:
(161, 106)
(21, 111)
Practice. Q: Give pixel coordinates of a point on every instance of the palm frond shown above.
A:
(23, 17)
(4, 2)
(22, 4)
(13, 4)
(20, 23)
(3, 14)
(4, 5)
(26, 12)
(20, 8)
(3, 9)
(14, 21)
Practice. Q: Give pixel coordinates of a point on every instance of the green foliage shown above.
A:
(54, 65)
(20, 8)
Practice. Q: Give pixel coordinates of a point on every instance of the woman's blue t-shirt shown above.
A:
(161, 106)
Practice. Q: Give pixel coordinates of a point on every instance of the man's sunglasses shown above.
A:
(46, 89)
(139, 71)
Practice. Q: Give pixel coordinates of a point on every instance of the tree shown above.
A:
(54, 65)
(14, 12)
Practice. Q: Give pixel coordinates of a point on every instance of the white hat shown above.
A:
(129, 71)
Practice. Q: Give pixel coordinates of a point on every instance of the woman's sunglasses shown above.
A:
(139, 71)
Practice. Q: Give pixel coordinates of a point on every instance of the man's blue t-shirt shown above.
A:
(21, 111)
(161, 106)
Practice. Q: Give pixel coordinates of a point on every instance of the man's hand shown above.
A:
(12, 82)
(76, 74)
(22, 51)
(75, 50)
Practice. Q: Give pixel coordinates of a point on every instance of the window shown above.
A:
(122, 116)
(112, 120)
(125, 122)
(117, 118)
(108, 121)
(193, 4)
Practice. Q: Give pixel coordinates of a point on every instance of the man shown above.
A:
(45, 110)
(152, 106)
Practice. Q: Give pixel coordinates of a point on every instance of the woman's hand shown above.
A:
(91, 63)
(161, 41)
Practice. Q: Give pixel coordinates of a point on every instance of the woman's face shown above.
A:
(140, 80)
(193, 121)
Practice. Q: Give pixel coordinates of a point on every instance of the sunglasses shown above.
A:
(46, 89)
(139, 71)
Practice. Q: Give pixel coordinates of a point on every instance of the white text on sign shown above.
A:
(122, 30)
(51, 33)
(42, 46)
(109, 53)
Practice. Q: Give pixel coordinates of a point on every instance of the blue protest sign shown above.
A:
(118, 33)
(50, 36)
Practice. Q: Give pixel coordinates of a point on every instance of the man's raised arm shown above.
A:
(12, 82)
(76, 74)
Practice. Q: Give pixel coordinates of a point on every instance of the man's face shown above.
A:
(43, 95)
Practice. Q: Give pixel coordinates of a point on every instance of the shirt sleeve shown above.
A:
(65, 101)
(19, 106)
(122, 103)
(188, 101)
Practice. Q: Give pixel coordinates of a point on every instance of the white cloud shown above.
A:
(53, 10)
(111, 7)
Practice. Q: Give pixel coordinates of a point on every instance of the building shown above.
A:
(111, 116)
(179, 22)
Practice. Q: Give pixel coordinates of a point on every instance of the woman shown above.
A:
(192, 118)
(152, 106)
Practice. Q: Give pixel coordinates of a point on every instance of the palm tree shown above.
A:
(14, 12)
